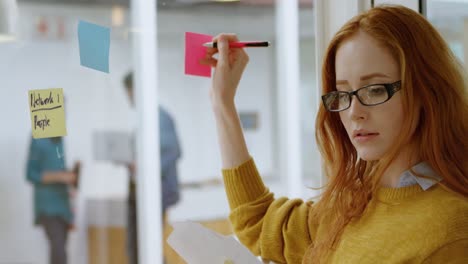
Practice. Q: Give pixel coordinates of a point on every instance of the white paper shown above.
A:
(197, 244)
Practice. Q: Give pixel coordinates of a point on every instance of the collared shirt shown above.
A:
(422, 168)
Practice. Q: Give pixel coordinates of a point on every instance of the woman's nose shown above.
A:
(357, 111)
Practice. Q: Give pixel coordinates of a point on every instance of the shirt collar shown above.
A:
(422, 168)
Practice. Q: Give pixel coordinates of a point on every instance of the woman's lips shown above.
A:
(365, 137)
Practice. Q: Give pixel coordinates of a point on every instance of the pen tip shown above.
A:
(206, 45)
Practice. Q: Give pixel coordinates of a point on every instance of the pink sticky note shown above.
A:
(194, 52)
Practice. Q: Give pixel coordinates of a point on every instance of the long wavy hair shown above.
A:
(434, 98)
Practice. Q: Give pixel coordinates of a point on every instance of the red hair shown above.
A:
(434, 98)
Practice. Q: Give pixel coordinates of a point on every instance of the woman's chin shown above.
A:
(369, 155)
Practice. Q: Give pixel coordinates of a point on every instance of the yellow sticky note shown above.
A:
(47, 113)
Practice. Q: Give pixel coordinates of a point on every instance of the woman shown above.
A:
(392, 131)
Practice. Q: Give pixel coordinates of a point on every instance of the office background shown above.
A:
(45, 55)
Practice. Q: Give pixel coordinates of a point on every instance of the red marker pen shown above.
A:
(247, 44)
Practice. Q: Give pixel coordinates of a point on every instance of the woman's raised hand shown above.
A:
(229, 67)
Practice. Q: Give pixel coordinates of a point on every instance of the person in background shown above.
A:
(52, 184)
(170, 153)
(393, 133)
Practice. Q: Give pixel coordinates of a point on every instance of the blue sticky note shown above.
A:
(94, 42)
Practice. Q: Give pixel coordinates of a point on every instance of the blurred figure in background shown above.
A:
(52, 184)
(170, 153)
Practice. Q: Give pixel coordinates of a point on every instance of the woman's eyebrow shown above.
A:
(372, 75)
(363, 78)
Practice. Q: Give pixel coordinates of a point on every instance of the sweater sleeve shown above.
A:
(452, 253)
(275, 229)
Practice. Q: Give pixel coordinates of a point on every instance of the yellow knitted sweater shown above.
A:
(405, 225)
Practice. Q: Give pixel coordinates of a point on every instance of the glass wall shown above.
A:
(451, 20)
(56, 47)
(187, 98)
(309, 107)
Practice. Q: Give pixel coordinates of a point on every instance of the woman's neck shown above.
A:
(403, 162)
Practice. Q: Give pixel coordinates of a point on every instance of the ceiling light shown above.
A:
(118, 16)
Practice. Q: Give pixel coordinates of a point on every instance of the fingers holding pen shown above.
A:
(240, 60)
(228, 57)
(210, 53)
(232, 58)
(223, 48)
(209, 57)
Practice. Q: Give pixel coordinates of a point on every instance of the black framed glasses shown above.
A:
(369, 95)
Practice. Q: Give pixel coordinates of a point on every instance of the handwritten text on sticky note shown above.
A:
(47, 113)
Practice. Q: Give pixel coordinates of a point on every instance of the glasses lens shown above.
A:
(336, 101)
(372, 95)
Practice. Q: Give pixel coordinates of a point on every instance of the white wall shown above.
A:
(98, 101)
